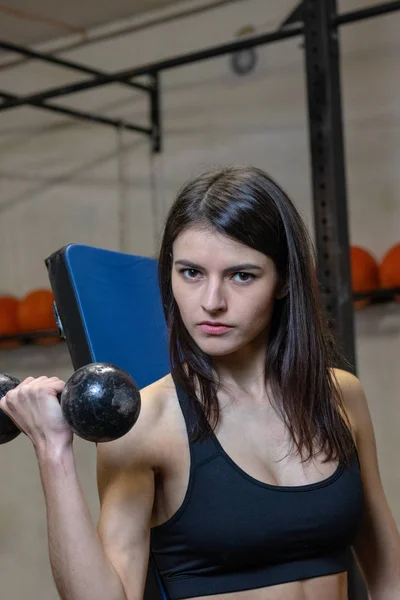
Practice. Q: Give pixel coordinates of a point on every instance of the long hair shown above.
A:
(245, 204)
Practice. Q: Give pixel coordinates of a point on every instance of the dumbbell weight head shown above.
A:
(8, 429)
(100, 402)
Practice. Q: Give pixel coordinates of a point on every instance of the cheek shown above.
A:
(181, 295)
(257, 310)
(257, 315)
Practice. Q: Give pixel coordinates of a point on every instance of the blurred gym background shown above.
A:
(88, 171)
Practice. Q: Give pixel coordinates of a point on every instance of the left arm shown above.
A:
(377, 545)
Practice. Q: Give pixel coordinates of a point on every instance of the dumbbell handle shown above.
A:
(8, 429)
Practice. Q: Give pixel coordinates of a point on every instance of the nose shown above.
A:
(214, 300)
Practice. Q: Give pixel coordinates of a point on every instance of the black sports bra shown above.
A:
(235, 533)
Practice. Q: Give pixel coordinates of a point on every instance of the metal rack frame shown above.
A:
(126, 77)
(317, 21)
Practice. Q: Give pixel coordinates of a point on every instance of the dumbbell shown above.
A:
(100, 402)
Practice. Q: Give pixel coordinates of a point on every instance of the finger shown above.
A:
(26, 384)
(50, 385)
(58, 386)
(9, 396)
(26, 380)
(4, 405)
(30, 380)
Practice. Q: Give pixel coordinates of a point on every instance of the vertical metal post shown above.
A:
(329, 188)
(123, 195)
(155, 113)
(328, 168)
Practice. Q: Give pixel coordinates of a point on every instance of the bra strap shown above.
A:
(202, 450)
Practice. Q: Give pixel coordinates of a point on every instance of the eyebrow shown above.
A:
(234, 268)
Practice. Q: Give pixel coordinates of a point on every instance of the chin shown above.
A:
(215, 353)
(217, 347)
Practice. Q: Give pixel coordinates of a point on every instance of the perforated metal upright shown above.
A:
(322, 67)
(328, 167)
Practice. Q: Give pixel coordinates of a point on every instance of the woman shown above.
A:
(252, 468)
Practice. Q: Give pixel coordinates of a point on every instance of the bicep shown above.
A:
(377, 545)
(378, 540)
(126, 496)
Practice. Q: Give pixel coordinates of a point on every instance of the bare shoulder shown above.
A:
(349, 385)
(354, 400)
(139, 447)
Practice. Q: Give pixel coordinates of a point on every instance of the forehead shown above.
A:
(207, 246)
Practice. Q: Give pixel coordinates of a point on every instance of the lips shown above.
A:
(214, 327)
(214, 324)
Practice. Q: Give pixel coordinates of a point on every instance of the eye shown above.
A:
(244, 277)
(194, 274)
(189, 273)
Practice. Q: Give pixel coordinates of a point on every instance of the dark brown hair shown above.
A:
(245, 204)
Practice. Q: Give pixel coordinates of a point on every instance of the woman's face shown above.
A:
(218, 280)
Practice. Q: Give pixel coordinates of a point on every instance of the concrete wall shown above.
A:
(65, 181)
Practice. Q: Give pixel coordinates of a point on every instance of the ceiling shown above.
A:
(26, 23)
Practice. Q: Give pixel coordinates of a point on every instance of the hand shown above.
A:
(34, 407)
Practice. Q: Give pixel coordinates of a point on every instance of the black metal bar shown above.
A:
(30, 336)
(155, 114)
(322, 64)
(62, 62)
(151, 68)
(328, 168)
(380, 295)
(296, 16)
(83, 116)
(366, 13)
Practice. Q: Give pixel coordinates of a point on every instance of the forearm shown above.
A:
(383, 574)
(80, 567)
(385, 584)
(387, 592)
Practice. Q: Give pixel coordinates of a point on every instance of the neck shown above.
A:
(244, 370)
